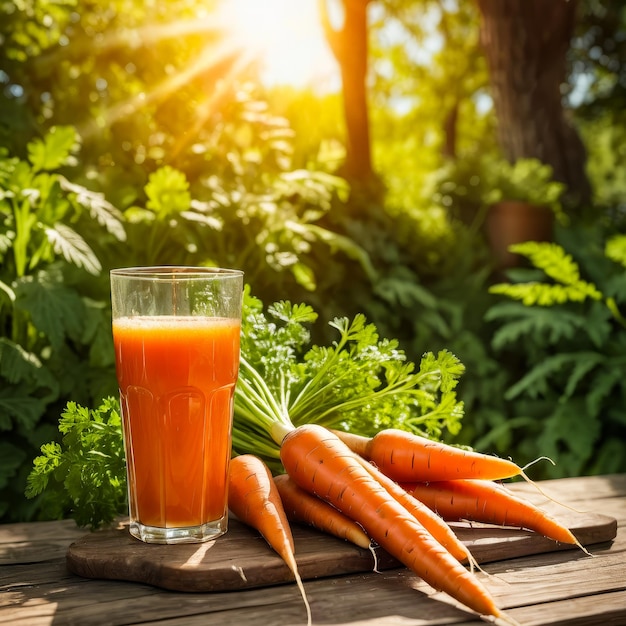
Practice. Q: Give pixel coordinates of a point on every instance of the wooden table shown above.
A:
(562, 587)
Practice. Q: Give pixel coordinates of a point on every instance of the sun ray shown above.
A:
(225, 55)
(283, 41)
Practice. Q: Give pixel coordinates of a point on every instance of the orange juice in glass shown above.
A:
(176, 333)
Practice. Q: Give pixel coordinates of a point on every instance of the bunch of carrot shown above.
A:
(395, 489)
(296, 407)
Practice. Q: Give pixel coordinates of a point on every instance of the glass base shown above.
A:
(186, 534)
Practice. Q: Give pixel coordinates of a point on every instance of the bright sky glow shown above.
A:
(287, 38)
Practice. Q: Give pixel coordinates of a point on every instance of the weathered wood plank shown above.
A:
(37, 541)
(242, 559)
(553, 589)
(560, 613)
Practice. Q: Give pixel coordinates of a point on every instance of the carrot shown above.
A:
(406, 457)
(319, 462)
(301, 506)
(253, 498)
(491, 503)
(432, 522)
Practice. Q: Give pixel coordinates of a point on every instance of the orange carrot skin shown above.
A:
(301, 506)
(254, 499)
(319, 462)
(406, 457)
(432, 522)
(488, 502)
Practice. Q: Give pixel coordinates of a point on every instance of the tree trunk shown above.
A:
(349, 46)
(526, 42)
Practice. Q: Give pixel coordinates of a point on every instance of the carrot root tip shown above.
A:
(502, 619)
(547, 495)
(541, 458)
(372, 549)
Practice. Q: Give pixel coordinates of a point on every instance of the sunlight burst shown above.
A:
(287, 39)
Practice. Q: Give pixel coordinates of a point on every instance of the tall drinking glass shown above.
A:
(176, 334)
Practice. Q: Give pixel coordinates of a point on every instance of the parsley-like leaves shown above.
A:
(84, 476)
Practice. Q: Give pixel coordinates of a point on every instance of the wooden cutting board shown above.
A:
(242, 559)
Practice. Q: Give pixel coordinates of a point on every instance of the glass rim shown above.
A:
(174, 271)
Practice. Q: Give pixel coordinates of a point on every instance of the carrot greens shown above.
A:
(361, 383)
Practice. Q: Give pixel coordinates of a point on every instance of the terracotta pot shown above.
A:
(510, 222)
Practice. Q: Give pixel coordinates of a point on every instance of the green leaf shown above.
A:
(598, 325)
(292, 313)
(55, 150)
(615, 249)
(16, 363)
(18, 406)
(44, 466)
(536, 382)
(97, 333)
(11, 457)
(552, 259)
(539, 325)
(542, 294)
(401, 289)
(558, 265)
(85, 474)
(55, 309)
(583, 364)
(569, 429)
(6, 292)
(73, 248)
(603, 384)
(100, 210)
(304, 276)
(168, 192)
(338, 242)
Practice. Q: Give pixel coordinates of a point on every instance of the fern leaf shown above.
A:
(73, 248)
(542, 294)
(598, 326)
(401, 288)
(602, 384)
(551, 258)
(584, 362)
(569, 437)
(556, 264)
(535, 382)
(99, 208)
(539, 326)
(505, 310)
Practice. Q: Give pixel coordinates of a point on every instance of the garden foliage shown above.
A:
(55, 340)
(565, 323)
(123, 143)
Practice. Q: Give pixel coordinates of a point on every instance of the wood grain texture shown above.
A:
(555, 588)
(241, 559)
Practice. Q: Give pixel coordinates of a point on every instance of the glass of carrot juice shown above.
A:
(176, 333)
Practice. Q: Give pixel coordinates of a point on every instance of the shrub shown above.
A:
(564, 320)
(55, 339)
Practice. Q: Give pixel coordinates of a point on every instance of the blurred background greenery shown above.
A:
(346, 153)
